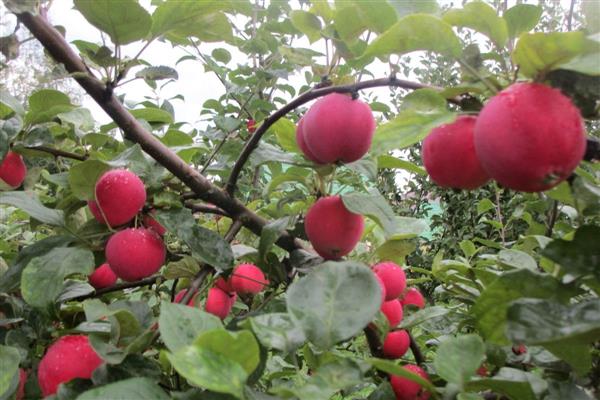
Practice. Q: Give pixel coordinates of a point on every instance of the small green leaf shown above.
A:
(269, 235)
(43, 278)
(416, 32)
(128, 389)
(221, 55)
(521, 18)
(325, 304)
(174, 16)
(423, 315)
(9, 104)
(45, 104)
(458, 358)
(32, 206)
(484, 205)
(374, 206)
(285, 131)
(387, 161)
(240, 346)
(278, 331)
(9, 370)
(538, 53)
(179, 324)
(125, 21)
(307, 23)
(481, 17)
(396, 250)
(157, 73)
(517, 259)
(83, 178)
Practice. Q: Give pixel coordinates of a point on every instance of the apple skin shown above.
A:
(150, 223)
(224, 285)
(331, 228)
(248, 279)
(251, 125)
(338, 128)
(529, 137)
(68, 358)
(449, 155)
(135, 253)
(102, 277)
(302, 143)
(413, 297)
(120, 194)
(405, 389)
(393, 312)
(21, 388)
(13, 170)
(219, 303)
(393, 278)
(396, 344)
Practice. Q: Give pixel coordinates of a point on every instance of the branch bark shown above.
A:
(151, 280)
(56, 46)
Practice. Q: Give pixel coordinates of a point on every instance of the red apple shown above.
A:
(179, 296)
(519, 349)
(302, 144)
(224, 285)
(529, 137)
(393, 312)
(68, 358)
(102, 277)
(93, 206)
(331, 228)
(248, 279)
(393, 278)
(413, 297)
(338, 128)
(482, 371)
(120, 195)
(135, 253)
(251, 125)
(449, 155)
(405, 389)
(21, 388)
(396, 344)
(12, 169)
(219, 303)
(150, 223)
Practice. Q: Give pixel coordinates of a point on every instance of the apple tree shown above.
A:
(285, 245)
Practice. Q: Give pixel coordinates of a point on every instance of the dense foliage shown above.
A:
(511, 280)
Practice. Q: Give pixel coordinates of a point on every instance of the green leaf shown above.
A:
(45, 104)
(377, 15)
(285, 131)
(83, 178)
(392, 368)
(125, 21)
(538, 53)
(408, 7)
(396, 250)
(517, 259)
(348, 21)
(157, 73)
(325, 304)
(43, 278)
(153, 115)
(561, 329)
(579, 257)
(374, 206)
(128, 389)
(484, 205)
(592, 16)
(458, 358)
(491, 307)
(416, 32)
(513, 383)
(480, 17)
(9, 104)
(179, 324)
(423, 315)
(221, 55)
(240, 346)
(307, 23)
(9, 370)
(269, 235)
(521, 18)
(210, 370)
(387, 161)
(278, 331)
(205, 244)
(176, 16)
(32, 206)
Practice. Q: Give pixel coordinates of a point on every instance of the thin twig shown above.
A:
(570, 18)
(191, 291)
(552, 218)
(205, 208)
(58, 153)
(120, 286)
(414, 347)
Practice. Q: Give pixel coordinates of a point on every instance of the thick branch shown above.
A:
(301, 100)
(592, 149)
(205, 208)
(58, 153)
(56, 46)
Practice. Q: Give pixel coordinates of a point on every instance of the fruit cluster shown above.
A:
(529, 137)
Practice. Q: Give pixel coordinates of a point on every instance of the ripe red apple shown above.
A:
(219, 303)
(247, 279)
(396, 344)
(413, 297)
(302, 144)
(21, 388)
(338, 128)
(529, 137)
(12, 169)
(102, 277)
(93, 206)
(120, 195)
(405, 389)
(150, 223)
(393, 278)
(179, 296)
(449, 155)
(135, 253)
(482, 371)
(251, 125)
(331, 228)
(393, 312)
(68, 358)
(519, 349)
(224, 285)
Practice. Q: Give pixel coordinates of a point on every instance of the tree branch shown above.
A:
(56, 46)
(58, 153)
(120, 286)
(205, 208)
(297, 102)
(414, 347)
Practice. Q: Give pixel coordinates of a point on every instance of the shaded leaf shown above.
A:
(32, 206)
(481, 17)
(458, 358)
(180, 324)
